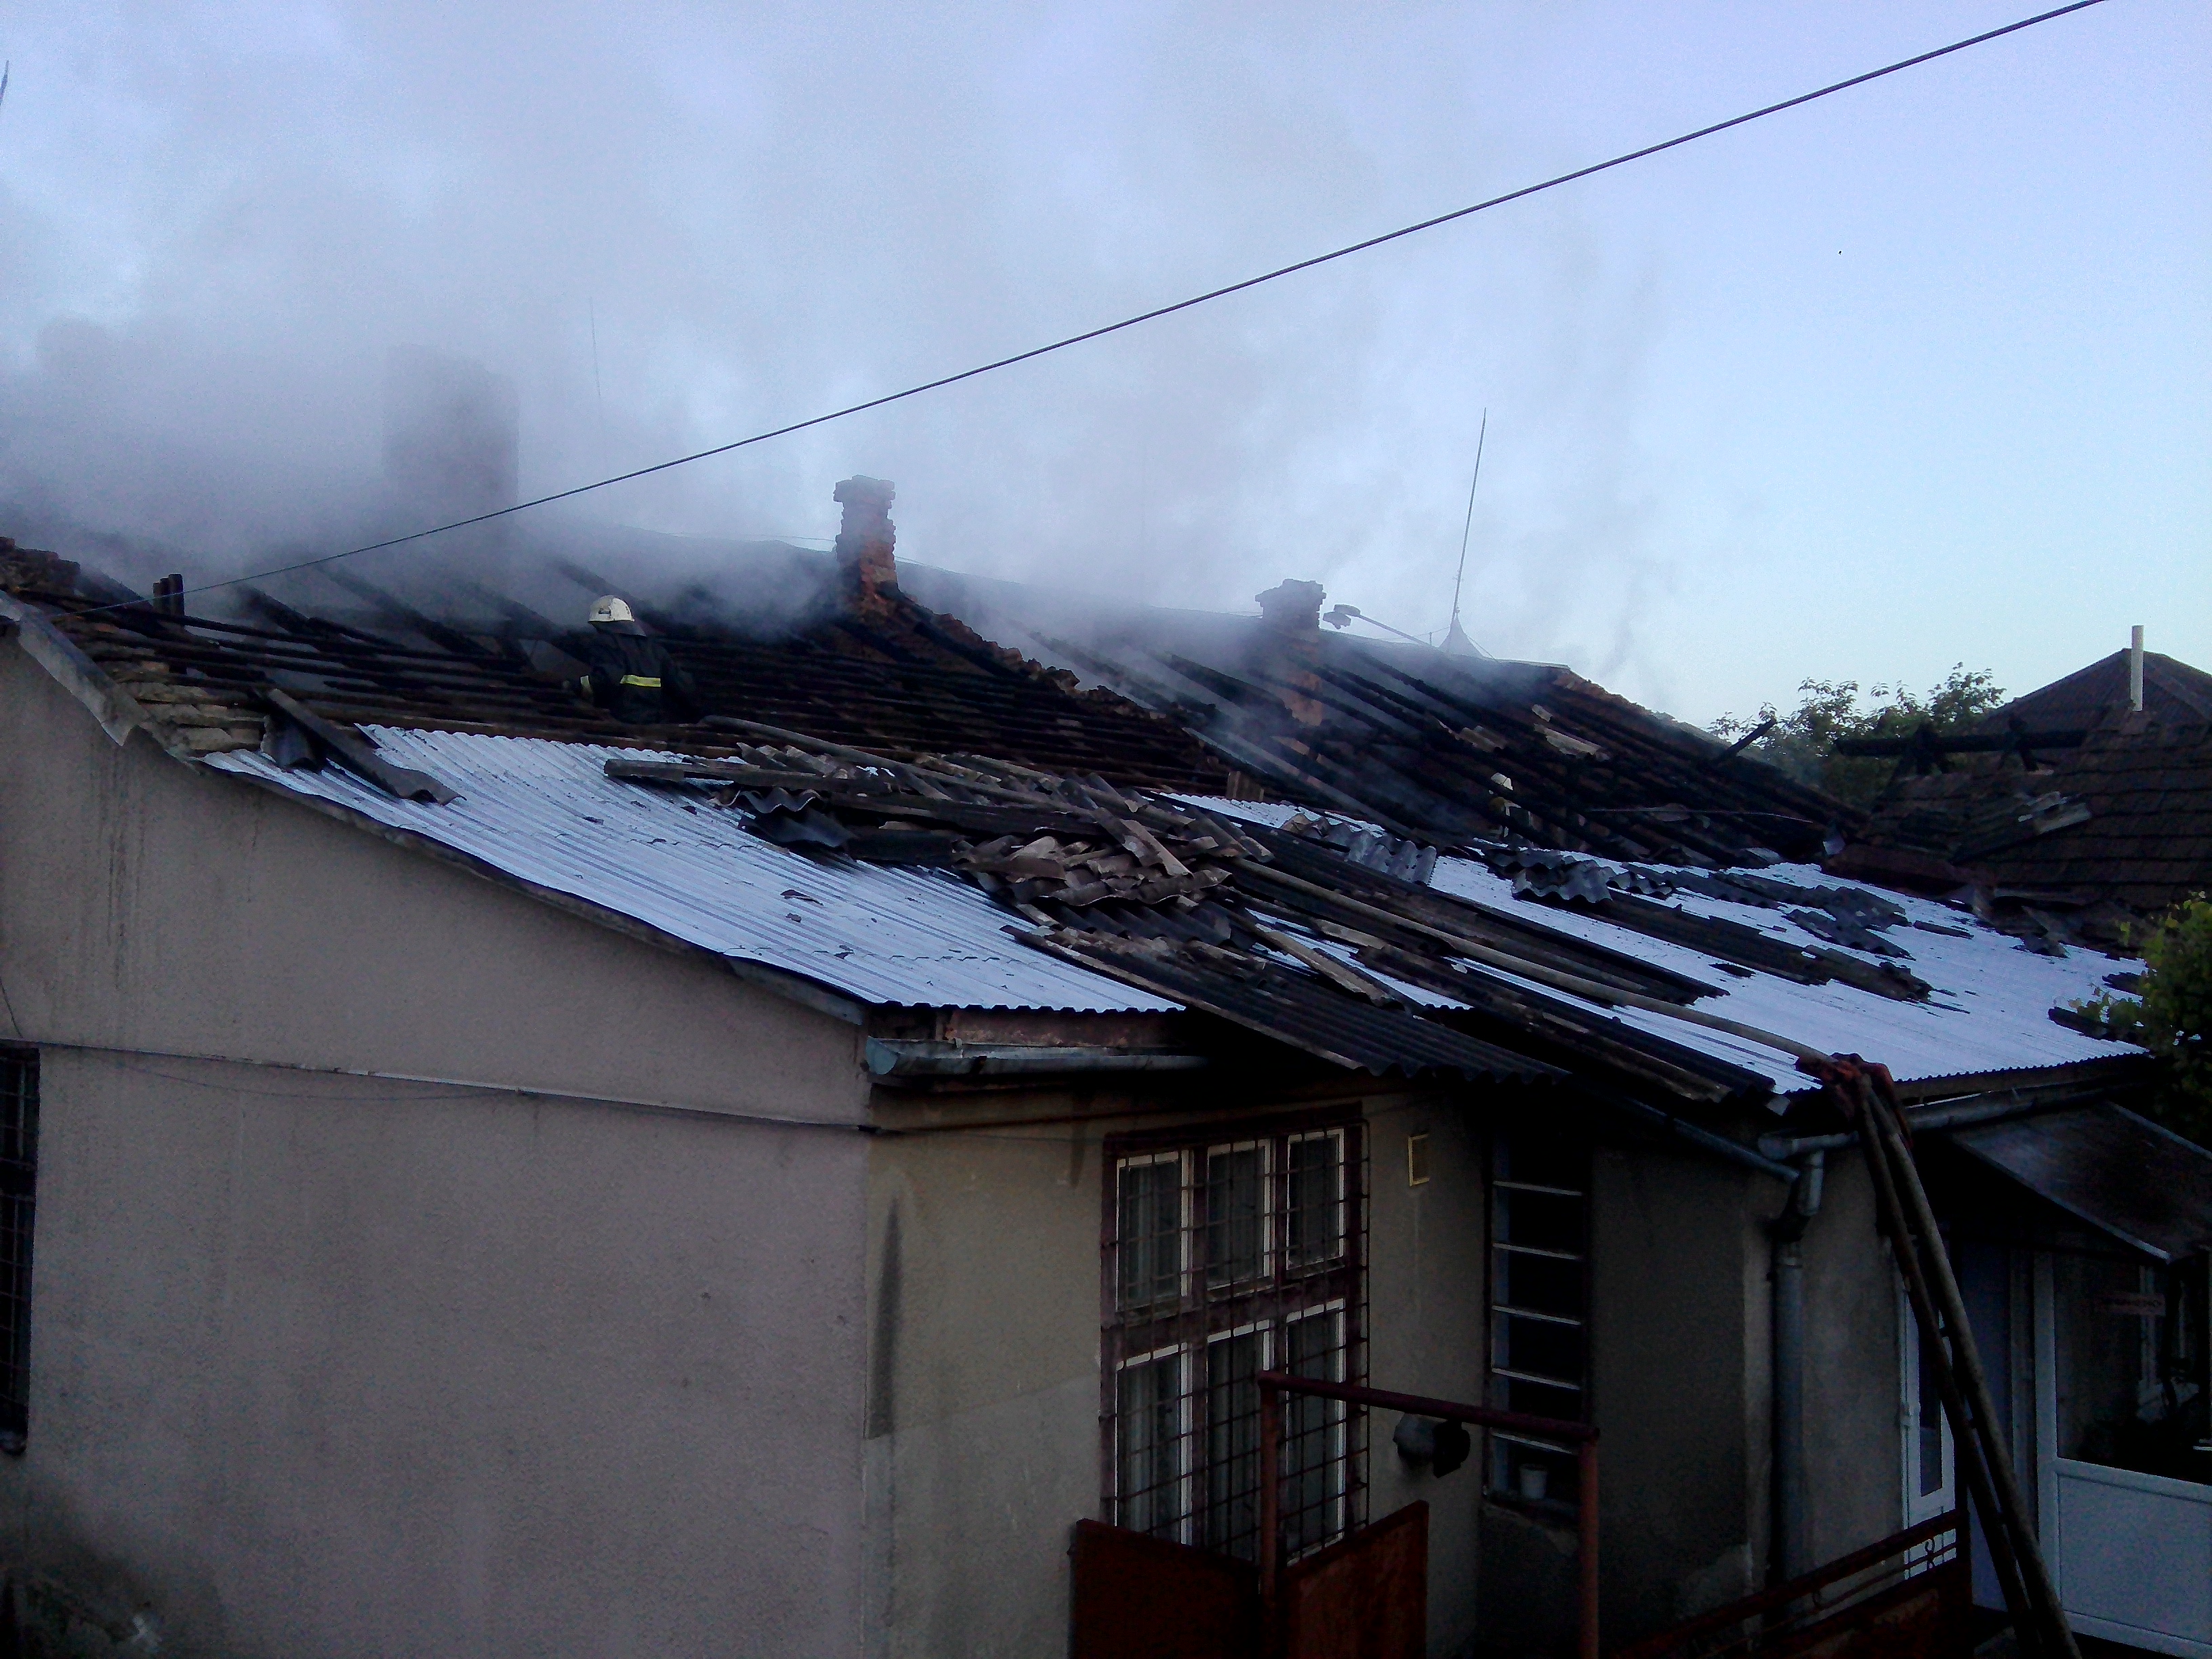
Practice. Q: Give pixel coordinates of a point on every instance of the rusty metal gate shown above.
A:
(1363, 1597)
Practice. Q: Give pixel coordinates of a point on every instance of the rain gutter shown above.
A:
(896, 1058)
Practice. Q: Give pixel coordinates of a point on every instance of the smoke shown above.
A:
(666, 225)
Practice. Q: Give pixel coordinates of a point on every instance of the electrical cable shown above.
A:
(1152, 315)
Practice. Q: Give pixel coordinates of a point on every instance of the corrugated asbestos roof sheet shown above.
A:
(545, 813)
(1989, 1009)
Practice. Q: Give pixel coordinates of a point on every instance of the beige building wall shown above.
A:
(344, 1364)
(984, 1391)
(1681, 1380)
(1428, 1314)
(1854, 1391)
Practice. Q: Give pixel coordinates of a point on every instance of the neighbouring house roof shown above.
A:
(2125, 819)
(2174, 694)
(1429, 744)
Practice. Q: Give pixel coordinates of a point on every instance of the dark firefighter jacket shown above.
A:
(635, 679)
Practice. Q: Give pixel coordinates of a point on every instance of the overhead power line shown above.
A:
(1160, 312)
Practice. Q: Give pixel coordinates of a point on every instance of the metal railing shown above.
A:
(1780, 1619)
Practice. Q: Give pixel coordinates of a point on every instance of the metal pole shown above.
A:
(1586, 1548)
(1789, 1405)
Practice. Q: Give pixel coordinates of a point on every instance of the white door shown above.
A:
(2131, 1552)
(1931, 1471)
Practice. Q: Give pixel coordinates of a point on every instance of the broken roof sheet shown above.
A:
(545, 813)
(1988, 1009)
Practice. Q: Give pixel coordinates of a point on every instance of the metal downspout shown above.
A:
(1791, 1552)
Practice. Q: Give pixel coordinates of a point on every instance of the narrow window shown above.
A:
(1149, 1424)
(19, 1170)
(1236, 1214)
(1315, 1224)
(1931, 1425)
(1232, 1441)
(1313, 1432)
(1539, 1309)
(1150, 1231)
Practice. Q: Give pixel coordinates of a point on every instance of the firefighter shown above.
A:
(633, 677)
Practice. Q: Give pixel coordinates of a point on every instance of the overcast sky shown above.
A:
(1922, 374)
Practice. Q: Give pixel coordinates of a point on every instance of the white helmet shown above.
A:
(609, 609)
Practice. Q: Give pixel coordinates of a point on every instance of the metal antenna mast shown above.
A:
(1455, 637)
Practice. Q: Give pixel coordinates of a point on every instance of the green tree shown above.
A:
(1803, 742)
(2171, 1015)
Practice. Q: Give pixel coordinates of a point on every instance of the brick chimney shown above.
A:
(866, 538)
(1294, 607)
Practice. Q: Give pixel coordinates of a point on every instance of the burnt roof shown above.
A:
(1440, 747)
(897, 679)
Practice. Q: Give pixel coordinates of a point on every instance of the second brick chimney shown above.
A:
(865, 540)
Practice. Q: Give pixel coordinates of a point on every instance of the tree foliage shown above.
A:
(1803, 742)
(2172, 1014)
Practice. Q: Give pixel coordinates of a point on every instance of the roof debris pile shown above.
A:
(1320, 933)
(1630, 898)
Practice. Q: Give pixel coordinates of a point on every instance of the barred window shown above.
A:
(1226, 1256)
(1539, 1308)
(19, 1168)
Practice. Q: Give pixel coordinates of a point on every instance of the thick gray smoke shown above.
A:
(227, 230)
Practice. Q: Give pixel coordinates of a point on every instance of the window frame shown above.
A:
(1500, 1463)
(1210, 1312)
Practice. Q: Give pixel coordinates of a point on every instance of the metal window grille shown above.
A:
(1539, 1308)
(1225, 1255)
(19, 1168)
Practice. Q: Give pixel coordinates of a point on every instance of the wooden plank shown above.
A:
(1137, 1597)
(1363, 1597)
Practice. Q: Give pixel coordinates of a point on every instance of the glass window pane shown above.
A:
(1313, 1222)
(1540, 1348)
(1236, 1218)
(1149, 1477)
(1541, 1284)
(1313, 1433)
(1150, 1231)
(1931, 1450)
(1546, 1220)
(1232, 1444)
